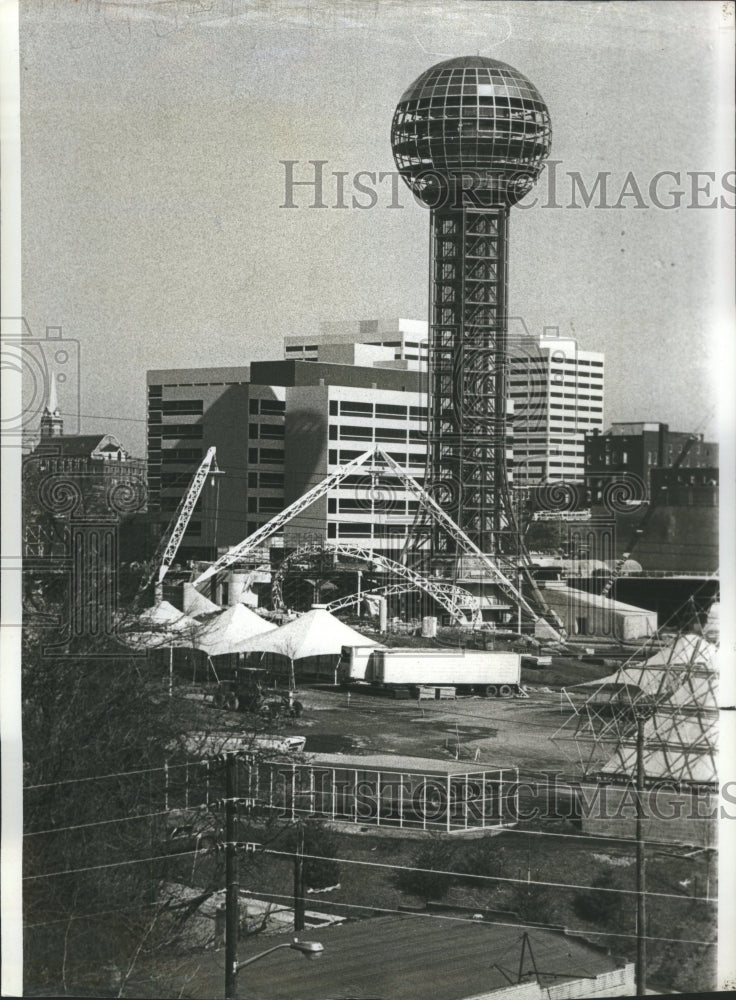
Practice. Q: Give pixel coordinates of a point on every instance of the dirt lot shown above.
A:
(508, 733)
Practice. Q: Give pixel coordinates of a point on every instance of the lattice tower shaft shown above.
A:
(467, 425)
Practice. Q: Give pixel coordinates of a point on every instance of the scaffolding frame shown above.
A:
(678, 689)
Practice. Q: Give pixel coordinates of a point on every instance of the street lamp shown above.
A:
(310, 949)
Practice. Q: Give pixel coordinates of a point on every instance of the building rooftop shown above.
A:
(79, 445)
(400, 958)
(402, 763)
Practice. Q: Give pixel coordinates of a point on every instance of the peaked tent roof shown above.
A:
(231, 630)
(161, 625)
(687, 651)
(316, 633)
(196, 604)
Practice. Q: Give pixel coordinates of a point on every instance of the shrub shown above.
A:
(437, 856)
(607, 908)
(481, 857)
(323, 871)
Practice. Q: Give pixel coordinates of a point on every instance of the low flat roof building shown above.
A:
(413, 956)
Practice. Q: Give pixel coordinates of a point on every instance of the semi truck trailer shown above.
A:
(491, 673)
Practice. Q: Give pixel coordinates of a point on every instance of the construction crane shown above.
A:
(170, 540)
(333, 479)
(642, 526)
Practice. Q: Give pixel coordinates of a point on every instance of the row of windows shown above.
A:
(577, 362)
(155, 391)
(174, 480)
(583, 409)
(389, 410)
(345, 505)
(265, 456)
(580, 420)
(265, 431)
(266, 480)
(179, 407)
(400, 457)
(172, 432)
(172, 455)
(557, 381)
(355, 432)
(350, 529)
(269, 407)
(265, 505)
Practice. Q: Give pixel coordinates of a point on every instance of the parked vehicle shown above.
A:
(489, 672)
(251, 691)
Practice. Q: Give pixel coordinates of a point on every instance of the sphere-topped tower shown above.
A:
(469, 137)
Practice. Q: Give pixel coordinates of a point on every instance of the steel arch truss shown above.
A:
(461, 605)
(380, 461)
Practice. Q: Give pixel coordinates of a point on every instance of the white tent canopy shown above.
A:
(162, 625)
(316, 633)
(687, 651)
(230, 631)
(196, 604)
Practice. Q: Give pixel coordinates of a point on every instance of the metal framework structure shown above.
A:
(677, 689)
(461, 605)
(376, 455)
(469, 138)
(170, 541)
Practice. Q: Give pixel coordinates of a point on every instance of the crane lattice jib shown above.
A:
(458, 535)
(170, 541)
(456, 601)
(272, 526)
(332, 480)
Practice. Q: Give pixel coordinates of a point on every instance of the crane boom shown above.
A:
(169, 543)
(457, 534)
(271, 527)
(332, 480)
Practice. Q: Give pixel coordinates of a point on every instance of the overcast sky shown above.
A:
(152, 183)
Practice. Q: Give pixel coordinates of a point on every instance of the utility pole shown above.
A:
(232, 879)
(641, 860)
(299, 878)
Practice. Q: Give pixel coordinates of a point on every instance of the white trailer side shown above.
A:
(488, 672)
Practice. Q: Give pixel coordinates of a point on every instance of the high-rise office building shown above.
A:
(557, 392)
(279, 428)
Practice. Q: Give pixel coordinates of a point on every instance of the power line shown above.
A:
(499, 923)
(101, 822)
(112, 864)
(264, 804)
(101, 777)
(495, 878)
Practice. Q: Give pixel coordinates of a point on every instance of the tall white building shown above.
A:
(557, 392)
(327, 425)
